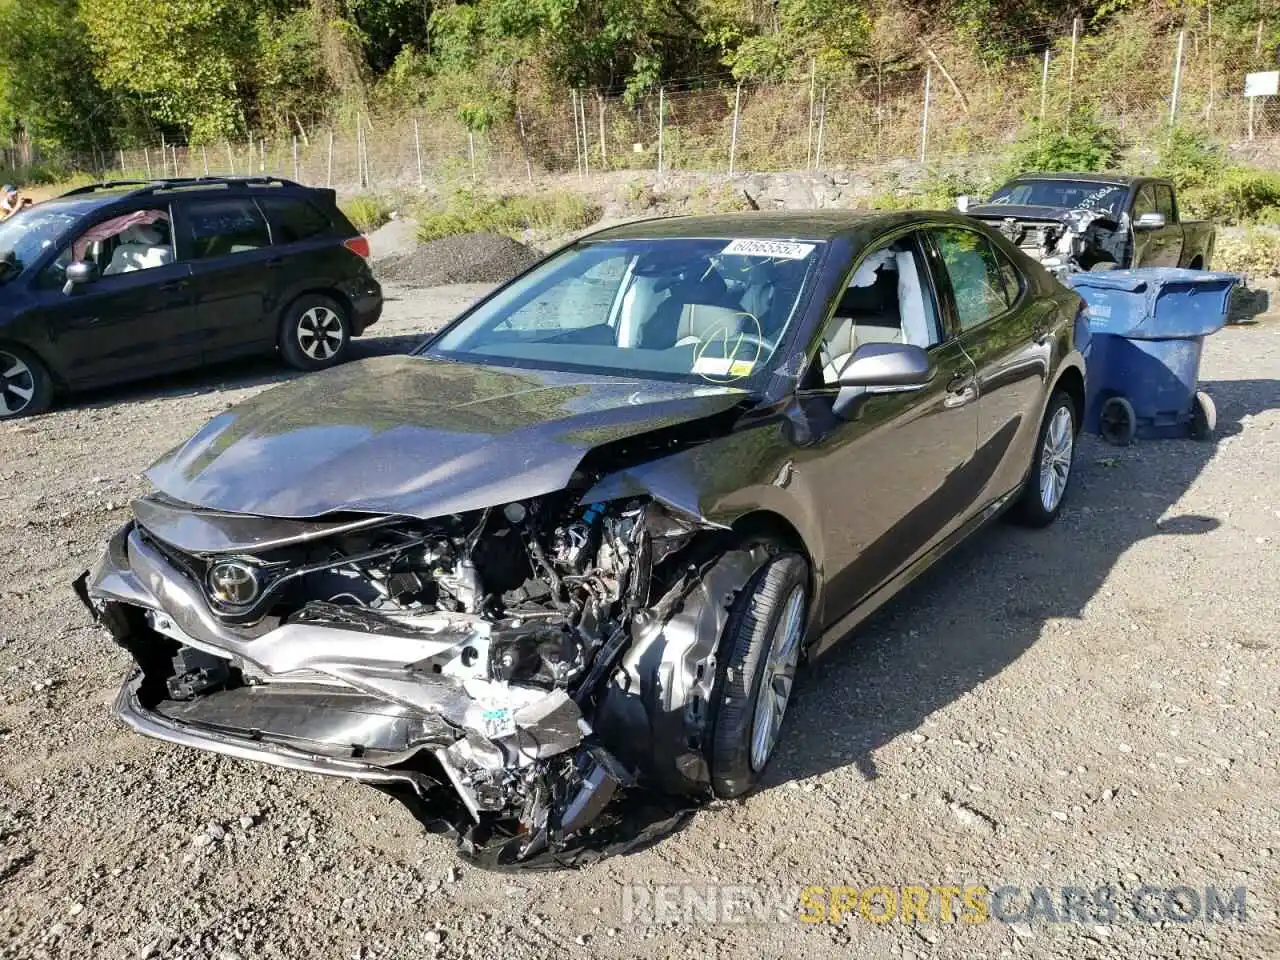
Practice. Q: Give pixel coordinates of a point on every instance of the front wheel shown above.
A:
(315, 334)
(1050, 473)
(759, 653)
(25, 385)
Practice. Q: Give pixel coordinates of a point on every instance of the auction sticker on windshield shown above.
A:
(779, 249)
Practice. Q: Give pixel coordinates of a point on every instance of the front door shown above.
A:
(134, 318)
(1154, 247)
(893, 473)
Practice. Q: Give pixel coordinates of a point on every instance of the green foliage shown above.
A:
(1086, 142)
(1189, 158)
(366, 212)
(1238, 195)
(553, 212)
(47, 87)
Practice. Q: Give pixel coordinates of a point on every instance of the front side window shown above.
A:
(1164, 201)
(217, 228)
(678, 308)
(1144, 202)
(979, 283)
(888, 300)
(127, 243)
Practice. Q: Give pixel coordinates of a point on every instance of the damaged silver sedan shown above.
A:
(549, 579)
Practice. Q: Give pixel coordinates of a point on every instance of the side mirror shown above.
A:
(78, 273)
(886, 366)
(1149, 221)
(881, 368)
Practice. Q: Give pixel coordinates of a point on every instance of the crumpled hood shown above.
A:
(418, 437)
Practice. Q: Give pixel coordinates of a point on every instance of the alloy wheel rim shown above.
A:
(320, 333)
(1055, 459)
(17, 384)
(779, 675)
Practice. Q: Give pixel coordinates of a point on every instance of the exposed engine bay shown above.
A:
(518, 659)
(1079, 240)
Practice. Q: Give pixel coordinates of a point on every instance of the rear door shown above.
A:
(134, 319)
(227, 244)
(308, 254)
(1004, 330)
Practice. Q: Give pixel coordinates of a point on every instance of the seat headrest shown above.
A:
(142, 235)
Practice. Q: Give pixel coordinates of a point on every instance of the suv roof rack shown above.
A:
(180, 183)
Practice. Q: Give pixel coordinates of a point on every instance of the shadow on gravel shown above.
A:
(232, 375)
(978, 609)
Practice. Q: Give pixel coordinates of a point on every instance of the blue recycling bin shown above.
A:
(1146, 335)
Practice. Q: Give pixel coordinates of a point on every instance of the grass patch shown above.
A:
(468, 212)
(366, 212)
(1238, 195)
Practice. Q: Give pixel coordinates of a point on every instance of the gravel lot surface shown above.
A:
(1091, 704)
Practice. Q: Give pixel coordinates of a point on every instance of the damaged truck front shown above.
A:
(509, 670)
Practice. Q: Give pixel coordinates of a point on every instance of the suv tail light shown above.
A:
(358, 245)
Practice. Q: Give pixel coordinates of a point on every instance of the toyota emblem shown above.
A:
(233, 583)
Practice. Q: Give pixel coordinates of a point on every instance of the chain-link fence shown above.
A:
(1137, 85)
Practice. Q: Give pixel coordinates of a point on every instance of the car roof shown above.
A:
(771, 225)
(1119, 179)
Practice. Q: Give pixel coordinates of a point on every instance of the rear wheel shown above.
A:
(1051, 464)
(759, 653)
(25, 385)
(315, 334)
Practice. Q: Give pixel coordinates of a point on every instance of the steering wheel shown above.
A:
(763, 346)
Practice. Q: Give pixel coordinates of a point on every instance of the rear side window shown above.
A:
(216, 228)
(293, 219)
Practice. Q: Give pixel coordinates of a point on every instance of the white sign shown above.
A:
(1262, 84)
(776, 249)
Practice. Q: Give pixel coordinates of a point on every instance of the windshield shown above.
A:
(24, 235)
(1106, 198)
(679, 309)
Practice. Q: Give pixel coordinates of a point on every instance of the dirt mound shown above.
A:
(466, 258)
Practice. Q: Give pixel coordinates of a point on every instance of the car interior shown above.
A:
(886, 301)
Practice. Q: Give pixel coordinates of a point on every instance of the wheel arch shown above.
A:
(1071, 381)
(59, 381)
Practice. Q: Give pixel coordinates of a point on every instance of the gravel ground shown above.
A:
(1091, 704)
(466, 258)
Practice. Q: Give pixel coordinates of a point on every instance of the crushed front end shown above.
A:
(1063, 241)
(509, 668)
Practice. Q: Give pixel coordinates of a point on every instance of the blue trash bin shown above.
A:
(1147, 330)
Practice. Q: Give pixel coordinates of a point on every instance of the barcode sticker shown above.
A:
(778, 249)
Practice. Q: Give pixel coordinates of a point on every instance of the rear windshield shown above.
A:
(1074, 194)
(676, 309)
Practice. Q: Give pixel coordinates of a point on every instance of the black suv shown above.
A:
(117, 281)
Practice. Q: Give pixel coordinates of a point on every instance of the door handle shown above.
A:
(275, 262)
(173, 286)
(961, 389)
